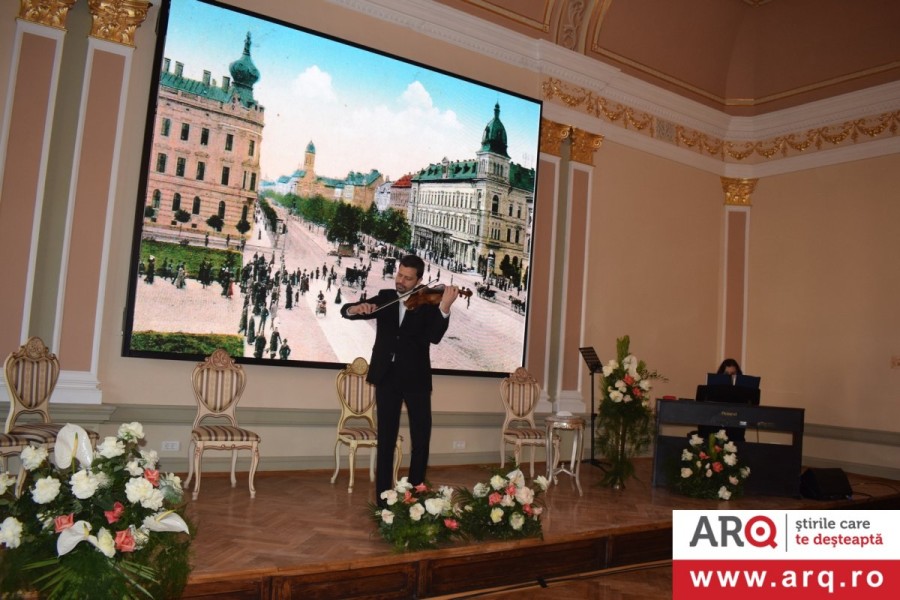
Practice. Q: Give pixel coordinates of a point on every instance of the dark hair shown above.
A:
(729, 362)
(411, 260)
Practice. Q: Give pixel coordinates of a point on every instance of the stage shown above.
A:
(302, 537)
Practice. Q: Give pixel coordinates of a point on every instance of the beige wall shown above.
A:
(654, 270)
(823, 318)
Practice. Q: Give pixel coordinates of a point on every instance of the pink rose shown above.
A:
(421, 488)
(526, 508)
(494, 498)
(64, 521)
(636, 392)
(703, 455)
(124, 541)
(511, 490)
(628, 379)
(451, 524)
(408, 498)
(717, 467)
(115, 514)
(152, 475)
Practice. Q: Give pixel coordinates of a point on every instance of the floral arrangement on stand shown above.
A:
(115, 500)
(624, 426)
(709, 468)
(503, 508)
(421, 517)
(415, 517)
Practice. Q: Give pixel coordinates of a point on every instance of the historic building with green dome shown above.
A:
(476, 212)
(207, 142)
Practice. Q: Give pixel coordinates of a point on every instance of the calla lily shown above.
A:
(79, 532)
(73, 441)
(166, 521)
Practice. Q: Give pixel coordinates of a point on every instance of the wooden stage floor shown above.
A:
(302, 537)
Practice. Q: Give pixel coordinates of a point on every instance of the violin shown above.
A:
(426, 295)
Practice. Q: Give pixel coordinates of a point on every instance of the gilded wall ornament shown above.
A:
(117, 20)
(792, 144)
(52, 13)
(738, 191)
(584, 144)
(552, 136)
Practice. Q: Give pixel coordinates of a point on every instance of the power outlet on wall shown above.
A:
(171, 446)
(459, 444)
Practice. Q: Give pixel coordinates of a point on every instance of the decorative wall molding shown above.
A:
(552, 136)
(738, 192)
(584, 145)
(117, 20)
(51, 13)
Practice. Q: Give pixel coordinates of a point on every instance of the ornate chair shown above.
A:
(519, 393)
(218, 384)
(31, 375)
(10, 445)
(356, 427)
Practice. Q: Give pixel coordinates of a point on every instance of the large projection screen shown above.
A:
(285, 172)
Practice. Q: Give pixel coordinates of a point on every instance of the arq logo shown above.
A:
(758, 531)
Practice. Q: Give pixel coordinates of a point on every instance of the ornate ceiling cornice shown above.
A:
(583, 92)
(825, 137)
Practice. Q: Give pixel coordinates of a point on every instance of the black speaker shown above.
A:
(825, 484)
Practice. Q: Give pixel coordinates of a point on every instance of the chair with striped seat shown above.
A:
(356, 427)
(31, 374)
(519, 393)
(218, 385)
(10, 445)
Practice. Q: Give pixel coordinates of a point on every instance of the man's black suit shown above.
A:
(400, 370)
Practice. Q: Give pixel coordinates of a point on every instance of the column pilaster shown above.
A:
(583, 146)
(92, 192)
(559, 263)
(24, 149)
(735, 280)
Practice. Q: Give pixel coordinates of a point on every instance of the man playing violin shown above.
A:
(400, 367)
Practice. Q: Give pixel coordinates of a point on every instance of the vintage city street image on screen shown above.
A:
(286, 173)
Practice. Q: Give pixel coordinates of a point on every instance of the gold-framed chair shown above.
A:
(31, 375)
(356, 427)
(218, 384)
(520, 393)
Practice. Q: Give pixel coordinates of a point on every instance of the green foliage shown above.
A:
(243, 226)
(269, 214)
(191, 256)
(345, 225)
(393, 228)
(215, 222)
(186, 343)
(182, 216)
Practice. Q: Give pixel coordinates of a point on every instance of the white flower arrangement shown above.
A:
(709, 468)
(113, 499)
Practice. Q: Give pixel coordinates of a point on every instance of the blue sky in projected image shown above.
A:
(362, 110)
